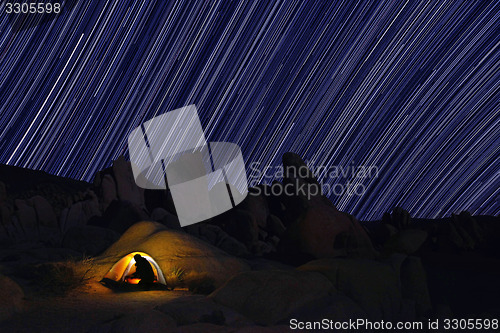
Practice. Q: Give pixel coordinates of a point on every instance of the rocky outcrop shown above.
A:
(11, 297)
(126, 188)
(315, 225)
(139, 321)
(217, 237)
(89, 240)
(120, 215)
(200, 309)
(267, 297)
(374, 286)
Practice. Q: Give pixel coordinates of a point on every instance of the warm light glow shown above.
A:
(126, 267)
(132, 281)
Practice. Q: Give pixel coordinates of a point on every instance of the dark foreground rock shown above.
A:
(267, 297)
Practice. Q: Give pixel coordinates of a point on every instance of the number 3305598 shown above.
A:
(32, 8)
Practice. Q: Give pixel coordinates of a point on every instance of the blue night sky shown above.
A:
(410, 87)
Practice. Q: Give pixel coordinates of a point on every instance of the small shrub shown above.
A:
(62, 277)
(175, 278)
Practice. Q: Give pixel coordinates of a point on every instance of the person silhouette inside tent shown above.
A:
(143, 271)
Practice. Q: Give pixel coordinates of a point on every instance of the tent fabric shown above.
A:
(126, 266)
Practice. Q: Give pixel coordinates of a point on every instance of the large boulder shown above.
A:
(195, 309)
(11, 297)
(275, 226)
(166, 218)
(399, 218)
(256, 206)
(217, 237)
(325, 232)
(88, 239)
(414, 285)
(80, 212)
(108, 191)
(267, 297)
(150, 321)
(6, 219)
(406, 241)
(44, 212)
(26, 215)
(315, 225)
(335, 306)
(120, 215)
(127, 189)
(172, 250)
(240, 224)
(373, 285)
(3, 192)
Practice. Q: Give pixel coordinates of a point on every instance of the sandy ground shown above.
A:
(81, 310)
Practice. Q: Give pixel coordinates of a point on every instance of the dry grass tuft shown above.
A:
(63, 277)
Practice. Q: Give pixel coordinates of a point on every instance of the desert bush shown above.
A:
(175, 278)
(62, 277)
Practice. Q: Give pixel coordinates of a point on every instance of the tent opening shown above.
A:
(121, 271)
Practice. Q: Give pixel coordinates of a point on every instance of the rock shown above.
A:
(166, 218)
(80, 213)
(170, 221)
(275, 226)
(241, 225)
(90, 240)
(172, 249)
(120, 215)
(468, 230)
(297, 172)
(262, 234)
(202, 328)
(127, 190)
(406, 241)
(144, 321)
(260, 248)
(400, 218)
(3, 192)
(158, 214)
(256, 206)
(6, 215)
(26, 215)
(44, 211)
(108, 191)
(314, 225)
(217, 237)
(414, 285)
(336, 307)
(267, 297)
(11, 297)
(275, 200)
(194, 309)
(139, 321)
(262, 329)
(382, 232)
(458, 237)
(159, 199)
(326, 232)
(373, 285)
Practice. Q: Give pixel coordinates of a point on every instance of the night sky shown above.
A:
(410, 87)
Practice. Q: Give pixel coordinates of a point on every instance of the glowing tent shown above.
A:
(125, 267)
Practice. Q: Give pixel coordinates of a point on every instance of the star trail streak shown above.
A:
(410, 87)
